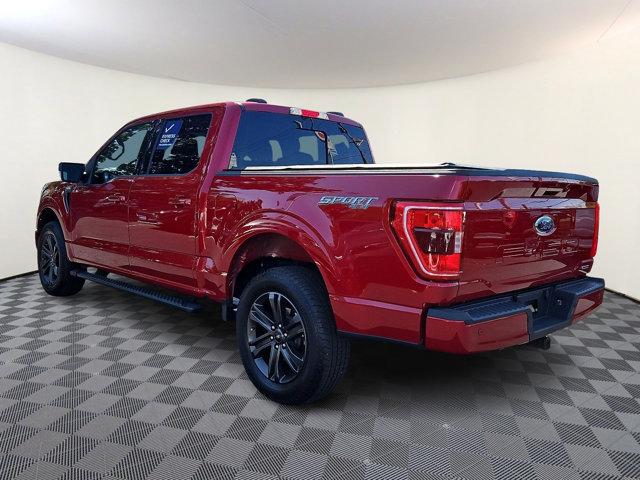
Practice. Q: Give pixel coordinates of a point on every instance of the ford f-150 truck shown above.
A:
(281, 215)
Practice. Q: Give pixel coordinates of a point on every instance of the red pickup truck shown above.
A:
(281, 215)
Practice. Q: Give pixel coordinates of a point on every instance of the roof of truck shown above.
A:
(251, 106)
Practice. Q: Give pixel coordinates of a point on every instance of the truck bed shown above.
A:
(364, 263)
(412, 169)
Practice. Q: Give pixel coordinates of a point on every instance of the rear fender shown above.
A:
(277, 235)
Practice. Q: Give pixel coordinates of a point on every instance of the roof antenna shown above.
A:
(256, 100)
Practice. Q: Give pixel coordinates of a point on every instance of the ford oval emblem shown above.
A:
(544, 226)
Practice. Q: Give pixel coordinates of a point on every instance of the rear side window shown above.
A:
(179, 145)
(120, 157)
(274, 139)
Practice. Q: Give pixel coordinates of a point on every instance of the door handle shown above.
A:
(148, 218)
(180, 201)
(115, 198)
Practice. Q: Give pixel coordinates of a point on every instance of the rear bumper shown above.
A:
(512, 319)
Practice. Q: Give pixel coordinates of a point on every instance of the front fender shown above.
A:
(49, 205)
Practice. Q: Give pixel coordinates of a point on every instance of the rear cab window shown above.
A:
(274, 139)
(179, 144)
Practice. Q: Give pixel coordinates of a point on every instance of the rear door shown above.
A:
(98, 208)
(163, 202)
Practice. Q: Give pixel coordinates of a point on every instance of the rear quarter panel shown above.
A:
(372, 287)
(354, 248)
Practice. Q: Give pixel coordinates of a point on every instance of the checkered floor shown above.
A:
(108, 385)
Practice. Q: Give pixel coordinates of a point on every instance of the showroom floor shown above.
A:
(107, 385)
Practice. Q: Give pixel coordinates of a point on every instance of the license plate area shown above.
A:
(549, 309)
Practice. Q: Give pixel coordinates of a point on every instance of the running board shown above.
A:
(173, 300)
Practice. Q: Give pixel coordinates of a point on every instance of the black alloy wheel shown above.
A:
(287, 335)
(276, 337)
(54, 267)
(49, 259)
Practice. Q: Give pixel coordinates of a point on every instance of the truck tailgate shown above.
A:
(503, 250)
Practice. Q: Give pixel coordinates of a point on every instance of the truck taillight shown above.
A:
(596, 227)
(431, 236)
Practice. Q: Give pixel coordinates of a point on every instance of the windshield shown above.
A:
(275, 139)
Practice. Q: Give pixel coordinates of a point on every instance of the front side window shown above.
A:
(274, 139)
(179, 145)
(120, 157)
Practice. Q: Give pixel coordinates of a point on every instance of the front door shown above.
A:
(98, 208)
(163, 203)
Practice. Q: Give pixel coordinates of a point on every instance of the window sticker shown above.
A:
(170, 131)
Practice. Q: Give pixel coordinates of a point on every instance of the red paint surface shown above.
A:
(457, 337)
(368, 317)
(587, 304)
(194, 233)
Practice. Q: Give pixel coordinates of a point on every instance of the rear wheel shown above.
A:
(54, 267)
(287, 337)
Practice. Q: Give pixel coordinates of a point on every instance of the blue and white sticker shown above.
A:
(169, 134)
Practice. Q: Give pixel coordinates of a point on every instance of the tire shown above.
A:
(55, 275)
(304, 305)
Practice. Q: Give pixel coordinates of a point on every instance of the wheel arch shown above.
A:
(269, 249)
(46, 215)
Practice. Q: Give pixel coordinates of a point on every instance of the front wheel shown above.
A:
(287, 337)
(54, 267)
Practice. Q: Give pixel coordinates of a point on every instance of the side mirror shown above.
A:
(71, 172)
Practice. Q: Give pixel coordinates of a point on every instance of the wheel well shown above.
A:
(47, 215)
(262, 252)
(260, 265)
